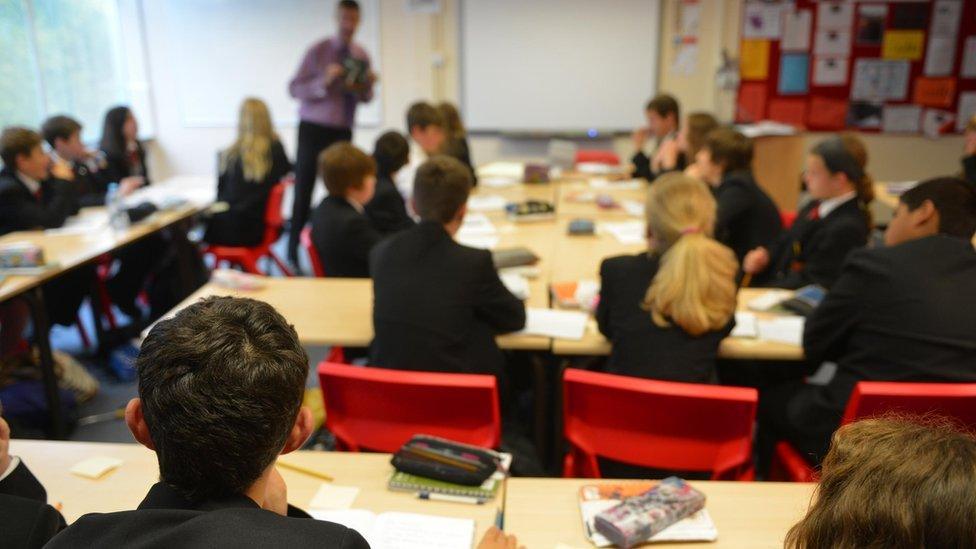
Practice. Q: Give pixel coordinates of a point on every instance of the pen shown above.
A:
(447, 497)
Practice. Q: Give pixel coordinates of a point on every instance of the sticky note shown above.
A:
(754, 60)
(794, 71)
(934, 92)
(331, 497)
(903, 44)
(751, 102)
(94, 468)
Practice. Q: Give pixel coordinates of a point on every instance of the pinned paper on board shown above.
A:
(903, 44)
(946, 15)
(913, 15)
(754, 60)
(969, 58)
(966, 110)
(751, 102)
(797, 27)
(788, 111)
(826, 113)
(880, 79)
(835, 15)
(762, 20)
(864, 114)
(794, 73)
(830, 71)
(870, 24)
(936, 122)
(832, 42)
(939, 56)
(901, 119)
(934, 92)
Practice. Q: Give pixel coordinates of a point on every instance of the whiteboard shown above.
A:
(226, 50)
(558, 65)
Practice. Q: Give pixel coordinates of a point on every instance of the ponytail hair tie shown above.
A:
(690, 230)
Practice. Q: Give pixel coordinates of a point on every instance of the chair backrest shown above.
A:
(600, 157)
(313, 254)
(658, 424)
(273, 220)
(873, 398)
(787, 219)
(380, 409)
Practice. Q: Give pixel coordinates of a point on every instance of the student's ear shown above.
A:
(926, 217)
(300, 431)
(137, 423)
(462, 211)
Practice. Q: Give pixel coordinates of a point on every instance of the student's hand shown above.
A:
(276, 494)
(332, 73)
(970, 143)
(756, 261)
(496, 539)
(640, 137)
(62, 170)
(129, 184)
(4, 446)
(372, 78)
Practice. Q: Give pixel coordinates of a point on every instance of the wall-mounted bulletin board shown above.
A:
(883, 66)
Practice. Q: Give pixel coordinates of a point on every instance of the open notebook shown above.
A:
(404, 530)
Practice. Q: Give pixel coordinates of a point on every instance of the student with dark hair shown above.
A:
(427, 128)
(828, 229)
(91, 174)
(249, 169)
(26, 519)
(969, 152)
(341, 232)
(456, 144)
(438, 305)
(747, 217)
(893, 482)
(663, 118)
(387, 210)
(334, 78)
(222, 361)
(124, 154)
(904, 312)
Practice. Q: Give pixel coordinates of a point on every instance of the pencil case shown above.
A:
(637, 519)
(445, 460)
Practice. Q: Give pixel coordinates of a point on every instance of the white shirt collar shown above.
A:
(358, 207)
(831, 204)
(33, 185)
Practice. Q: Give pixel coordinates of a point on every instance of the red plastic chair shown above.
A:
(787, 218)
(873, 398)
(313, 254)
(247, 258)
(657, 424)
(380, 409)
(599, 157)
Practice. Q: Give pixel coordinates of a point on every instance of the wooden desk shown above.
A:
(541, 512)
(593, 342)
(544, 512)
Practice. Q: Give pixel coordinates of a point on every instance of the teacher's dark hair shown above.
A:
(348, 5)
(221, 384)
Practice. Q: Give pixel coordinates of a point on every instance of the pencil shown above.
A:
(306, 470)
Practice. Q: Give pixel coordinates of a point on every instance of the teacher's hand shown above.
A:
(332, 73)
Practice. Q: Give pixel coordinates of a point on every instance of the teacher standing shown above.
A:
(334, 77)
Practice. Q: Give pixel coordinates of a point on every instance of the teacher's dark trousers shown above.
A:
(312, 140)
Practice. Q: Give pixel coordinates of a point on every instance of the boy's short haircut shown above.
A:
(664, 104)
(17, 141)
(59, 127)
(441, 187)
(391, 152)
(221, 384)
(349, 5)
(953, 198)
(423, 114)
(729, 148)
(343, 167)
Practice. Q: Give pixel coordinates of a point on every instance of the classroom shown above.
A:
(487, 274)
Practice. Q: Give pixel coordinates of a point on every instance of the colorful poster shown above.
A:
(762, 20)
(903, 44)
(830, 71)
(939, 56)
(901, 119)
(754, 60)
(967, 109)
(870, 24)
(864, 114)
(880, 80)
(934, 92)
(796, 30)
(794, 73)
(835, 15)
(936, 122)
(832, 42)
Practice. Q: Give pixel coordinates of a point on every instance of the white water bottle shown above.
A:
(118, 218)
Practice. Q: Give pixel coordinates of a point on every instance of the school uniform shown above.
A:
(642, 162)
(746, 217)
(813, 250)
(641, 348)
(343, 237)
(387, 210)
(438, 305)
(900, 313)
(457, 147)
(243, 223)
(969, 168)
(91, 181)
(25, 205)
(167, 519)
(26, 520)
(127, 164)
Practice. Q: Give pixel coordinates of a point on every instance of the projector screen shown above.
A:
(558, 66)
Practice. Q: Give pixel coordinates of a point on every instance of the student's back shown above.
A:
(437, 304)
(747, 217)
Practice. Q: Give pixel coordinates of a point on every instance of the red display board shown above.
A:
(894, 67)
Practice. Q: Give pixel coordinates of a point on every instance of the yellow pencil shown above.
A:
(306, 470)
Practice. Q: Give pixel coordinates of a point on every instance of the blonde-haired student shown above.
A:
(249, 169)
(828, 229)
(667, 310)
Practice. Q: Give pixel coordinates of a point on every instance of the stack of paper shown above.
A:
(501, 174)
(552, 323)
(768, 300)
(477, 231)
(626, 232)
(783, 329)
(746, 325)
(765, 128)
(517, 284)
(486, 203)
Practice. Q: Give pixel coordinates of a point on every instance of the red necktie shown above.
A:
(814, 213)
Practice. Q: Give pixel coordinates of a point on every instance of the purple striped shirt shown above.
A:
(330, 106)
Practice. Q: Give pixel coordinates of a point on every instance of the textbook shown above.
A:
(404, 530)
(596, 498)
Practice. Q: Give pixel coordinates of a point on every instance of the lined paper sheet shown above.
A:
(404, 530)
(553, 323)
